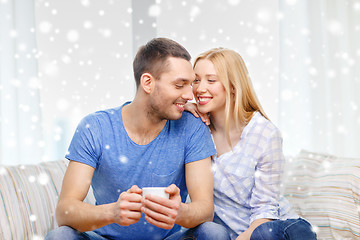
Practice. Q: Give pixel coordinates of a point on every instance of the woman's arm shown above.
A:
(247, 234)
(266, 192)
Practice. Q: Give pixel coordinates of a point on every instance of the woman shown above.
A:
(249, 164)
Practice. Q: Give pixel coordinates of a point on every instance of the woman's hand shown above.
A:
(192, 108)
(243, 236)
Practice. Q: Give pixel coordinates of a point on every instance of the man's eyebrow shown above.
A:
(182, 80)
(208, 75)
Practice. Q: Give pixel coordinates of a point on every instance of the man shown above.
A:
(147, 142)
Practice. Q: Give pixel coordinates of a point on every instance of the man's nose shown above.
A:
(188, 95)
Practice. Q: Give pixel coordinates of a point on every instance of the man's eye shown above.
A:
(179, 86)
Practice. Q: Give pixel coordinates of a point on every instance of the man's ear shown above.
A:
(147, 82)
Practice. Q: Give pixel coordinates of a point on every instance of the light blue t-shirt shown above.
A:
(101, 141)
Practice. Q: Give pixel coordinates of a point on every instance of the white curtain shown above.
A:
(20, 118)
(320, 76)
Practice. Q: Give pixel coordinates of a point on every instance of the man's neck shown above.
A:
(139, 125)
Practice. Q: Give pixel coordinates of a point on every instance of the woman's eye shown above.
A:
(196, 81)
(212, 80)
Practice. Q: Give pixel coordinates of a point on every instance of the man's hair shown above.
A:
(152, 57)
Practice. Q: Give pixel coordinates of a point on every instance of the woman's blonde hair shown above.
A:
(233, 74)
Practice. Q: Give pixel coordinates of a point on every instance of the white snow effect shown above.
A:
(13, 33)
(34, 83)
(28, 141)
(252, 50)
(326, 164)
(25, 108)
(22, 47)
(37, 237)
(331, 73)
(45, 27)
(354, 106)
(85, 3)
(291, 2)
(51, 69)
(41, 144)
(66, 59)
(342, 129)
(154, 10)
(356, 6)
(194, 11)
(88, 24)
(335, 27)
(105, 32)
(72, 35)
(62, 104)
(286, 95)
(123, 159)
(3, 171)
(32, 178)
(264, 15)
(313, 71)
(33, 218)
(43, 179)
(233, 2)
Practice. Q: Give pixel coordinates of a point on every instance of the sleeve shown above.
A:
(85, 146)
(265, 196)
(199, 144)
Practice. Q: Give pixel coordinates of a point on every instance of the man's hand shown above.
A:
(162, 212)
(127, 209)
(192, 108)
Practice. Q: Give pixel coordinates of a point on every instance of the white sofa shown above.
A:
(28, 197)
(325, 190)
(322, 188)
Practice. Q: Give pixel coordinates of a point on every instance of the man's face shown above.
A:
(172, 90)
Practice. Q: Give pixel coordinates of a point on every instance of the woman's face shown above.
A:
(209, 92)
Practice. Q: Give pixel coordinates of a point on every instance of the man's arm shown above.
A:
(200, 184)
(72, 211)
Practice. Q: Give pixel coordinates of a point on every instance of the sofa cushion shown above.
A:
(325, 190)
(28, 197)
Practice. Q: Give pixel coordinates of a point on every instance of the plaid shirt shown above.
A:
(247, 180)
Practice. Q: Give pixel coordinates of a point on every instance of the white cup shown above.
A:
(158, 191)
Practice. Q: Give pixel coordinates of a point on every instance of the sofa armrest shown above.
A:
(325, 190)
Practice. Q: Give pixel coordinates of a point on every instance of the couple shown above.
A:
(151, 141)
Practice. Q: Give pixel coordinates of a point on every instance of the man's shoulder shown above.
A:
(187, 122)
(101, 117)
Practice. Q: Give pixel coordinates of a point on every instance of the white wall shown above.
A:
(85, 63)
